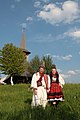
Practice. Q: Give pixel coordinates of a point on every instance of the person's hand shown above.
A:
(35, 92)
(48, 90)
(61, 85)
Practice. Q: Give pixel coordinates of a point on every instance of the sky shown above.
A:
(52, 27)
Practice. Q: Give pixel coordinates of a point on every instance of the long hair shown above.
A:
(57, 76)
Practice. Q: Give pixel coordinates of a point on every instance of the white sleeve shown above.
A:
(61, 80)
(33, 82)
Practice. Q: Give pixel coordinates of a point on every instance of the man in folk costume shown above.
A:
(40, 85)
(55, 94)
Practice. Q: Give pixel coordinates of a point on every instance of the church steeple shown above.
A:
(23, 44)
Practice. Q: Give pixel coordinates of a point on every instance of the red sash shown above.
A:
(39, 83)
(46, 80)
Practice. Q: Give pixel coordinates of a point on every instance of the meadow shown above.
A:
(15, 104)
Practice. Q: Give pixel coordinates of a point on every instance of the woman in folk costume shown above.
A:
(55, 94)
(40, 85)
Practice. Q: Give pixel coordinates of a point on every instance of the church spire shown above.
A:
(23, 42)
(23, 45)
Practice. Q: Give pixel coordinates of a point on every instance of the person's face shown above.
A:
(53, 71)
(41, 70)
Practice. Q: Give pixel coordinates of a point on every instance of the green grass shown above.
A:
(15, 104)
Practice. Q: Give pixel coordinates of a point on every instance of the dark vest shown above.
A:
(57, 77)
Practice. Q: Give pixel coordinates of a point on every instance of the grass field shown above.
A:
(15, 104)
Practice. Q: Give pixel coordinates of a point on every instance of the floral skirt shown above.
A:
(55, 92)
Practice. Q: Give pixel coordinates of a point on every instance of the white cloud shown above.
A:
(65, 76)
(57, 57)
(53, 14)
(71, 72)
(67, 57)
(37, 4)
(46, 1)
(23, 25)
(13, 5)
(75, 34)
(29, 18)
(71, 75)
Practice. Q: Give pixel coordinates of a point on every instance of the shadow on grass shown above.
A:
(28, 101)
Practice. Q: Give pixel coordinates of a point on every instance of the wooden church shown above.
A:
(26, 76)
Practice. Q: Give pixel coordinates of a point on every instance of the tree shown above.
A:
(35, 63)
(47, 60)
(12, 60)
